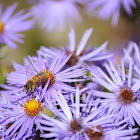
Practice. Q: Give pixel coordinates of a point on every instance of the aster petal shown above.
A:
(136, 51)
(136, 105)
(64, 105)
(106, 78)
(126, 6)
(93, 53)
(127, 55)
(32, 121)
(33, 63)
(51, 129)
(123, 70)
(101, 81)
(83, 41)
(135, 87)
(18, 13)
(130, 74)
(72, 74)
(14, 37)
(69, 69)
(104, 119)
(72, 41)
(130, 114)
(71, 80)
(91, 116)
(8, 12)
(42, 121)
(62, 64)
(60, 124)
(104, 57)
(15, 125)
(53, 64)
(104, 94)
(24, 128)
(116, 74)
(10, 106)
(115, 18)
(40, 61)
(23, 26)
(9, 42)
(63, 86)
(77, 102)
(48, 135)
(48, 51)
(111, 73)
(44, 89)
(136, 114)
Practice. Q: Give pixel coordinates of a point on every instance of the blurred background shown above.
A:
(128, 29)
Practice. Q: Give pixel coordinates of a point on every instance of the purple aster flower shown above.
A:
(70, 124)
(110, 8)
(57, 77)
(122, 94)
(55, 14)
(11, 24)
(19, 119)
(79, 54)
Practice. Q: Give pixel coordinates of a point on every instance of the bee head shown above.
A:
(28, 86)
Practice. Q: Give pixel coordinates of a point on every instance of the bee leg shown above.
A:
(36, 86)
(43, 84)
(33, 88)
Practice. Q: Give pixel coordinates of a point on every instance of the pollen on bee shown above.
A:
(49, 75)
(32, 107)
(1, 27)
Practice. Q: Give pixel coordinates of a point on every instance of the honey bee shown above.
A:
(41, 77)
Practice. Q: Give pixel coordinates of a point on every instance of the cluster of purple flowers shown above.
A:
(55, 15)
(109, 8)
(72, 93)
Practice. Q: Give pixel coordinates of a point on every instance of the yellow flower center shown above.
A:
(32, 107)
(1, 27)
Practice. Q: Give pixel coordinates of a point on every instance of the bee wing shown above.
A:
(28, 72)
